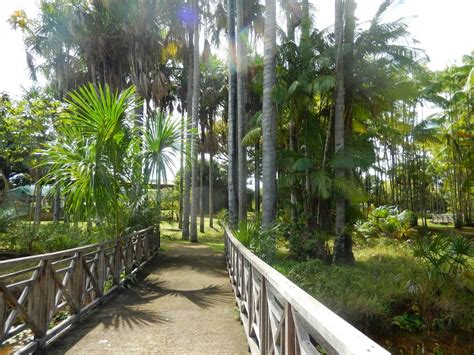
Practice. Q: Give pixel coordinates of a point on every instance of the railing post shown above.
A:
(2, 314)
(138, 249)
(116, 270)
(129, 255)
(290, 346)
(77, 280)
(101, 270)
(250, 309)
(242, 278)
(41, 298)
(263, 316)
(146, 245)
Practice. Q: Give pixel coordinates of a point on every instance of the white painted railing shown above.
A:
(280, 318)
(43, 295)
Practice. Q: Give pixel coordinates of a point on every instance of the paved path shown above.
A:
(182, 304)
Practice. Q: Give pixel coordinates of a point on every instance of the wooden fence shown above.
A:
(43, 295)
(280, 318)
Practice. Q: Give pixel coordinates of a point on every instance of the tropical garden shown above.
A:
(313, 145)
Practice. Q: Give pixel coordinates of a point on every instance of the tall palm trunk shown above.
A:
(57, 205)
(189, 144)
(38, 198)
(232, 178)
(211, 174)
(291, 25)
(241, 108)
(181, 169)
(201, 180)
(195, 117)
(342, 245)
(257, 180)
(269, 119)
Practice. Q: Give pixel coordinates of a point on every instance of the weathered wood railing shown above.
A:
(280, 318)
(43, 295)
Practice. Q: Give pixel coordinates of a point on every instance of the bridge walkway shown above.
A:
(182, 303)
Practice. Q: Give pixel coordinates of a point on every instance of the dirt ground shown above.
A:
(182, 303)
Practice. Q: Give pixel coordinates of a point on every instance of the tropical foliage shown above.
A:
(347, 138)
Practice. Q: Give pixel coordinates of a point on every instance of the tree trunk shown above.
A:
(211, 174)
(232, 178)
(242, 109)
(195, 118)
(38, 198)
(257, 180)
(342, 244)
(181, 169)
(290, 23)
(201, 181)
(57, 205)
(269, 119)
(189, 137)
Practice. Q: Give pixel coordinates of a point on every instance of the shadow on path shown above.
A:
(180, 303)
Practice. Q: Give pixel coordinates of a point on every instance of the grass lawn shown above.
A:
(212, 237)
(446, 228)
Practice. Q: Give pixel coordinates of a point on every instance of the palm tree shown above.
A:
(195, 118)
(161, 146)
(89, 160)
(242, 39)
(232, 182)
(339, 128)
(189, 137)
(269, 119)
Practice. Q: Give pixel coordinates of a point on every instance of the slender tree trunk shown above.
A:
(242, 109)
(257, 180)
(232, 180)
(38, 199)
(195, 117)
(340, 247)
(269, 119)
(57, 205)
(181, 169)
(211, 174)
(201, 181)
(189, 144)
(290, 23)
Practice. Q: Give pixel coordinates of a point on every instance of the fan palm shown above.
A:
(161, 148)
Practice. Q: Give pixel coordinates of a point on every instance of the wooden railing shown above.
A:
(280, 318)
(43, 295)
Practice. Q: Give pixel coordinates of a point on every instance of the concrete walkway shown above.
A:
(181, 304)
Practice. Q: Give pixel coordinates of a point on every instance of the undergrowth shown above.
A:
(386, 289)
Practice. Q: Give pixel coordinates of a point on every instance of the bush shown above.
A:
(386, 221)
(444, 256)
(306, 244)
(260, 240)
(46, 238)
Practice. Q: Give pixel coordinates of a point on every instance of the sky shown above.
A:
(443, 29)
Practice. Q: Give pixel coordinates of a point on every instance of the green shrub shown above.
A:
(46, 238)
(411, 322)
(222, 217)
(260, 240)
(388, 222)
(305, 244)
(444, 256)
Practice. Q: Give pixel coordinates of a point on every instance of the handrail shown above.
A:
(44, 299)
(280, 318)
